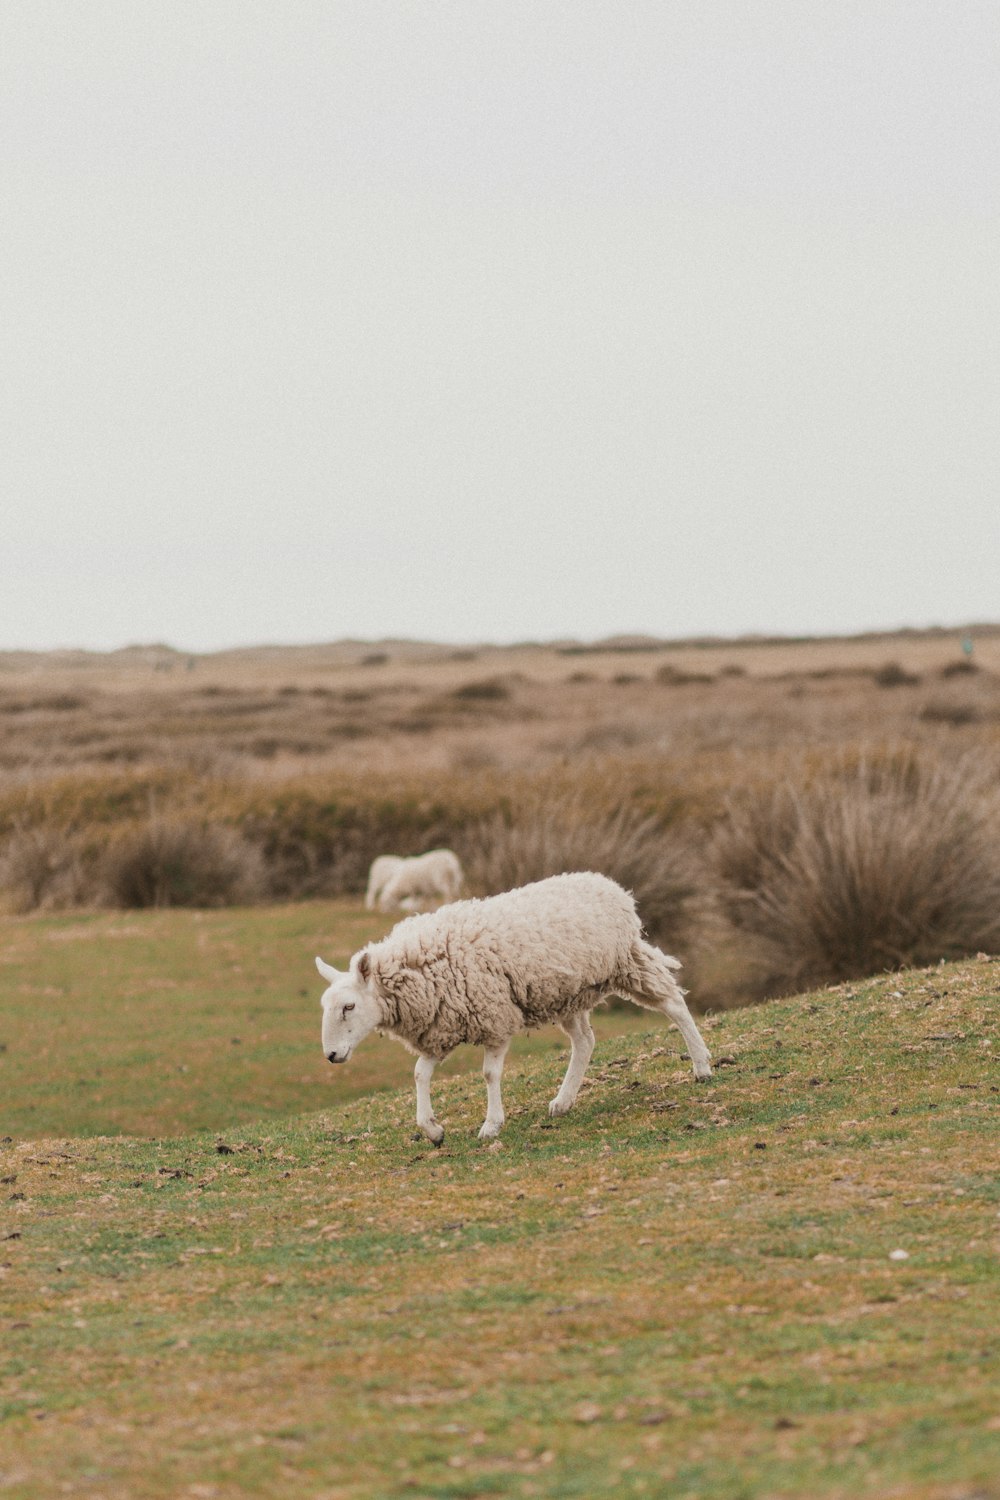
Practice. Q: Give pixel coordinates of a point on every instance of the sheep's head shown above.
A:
(350, 1007)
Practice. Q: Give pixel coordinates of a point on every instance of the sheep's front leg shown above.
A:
(493, 1072)
(422, 1075)
(581, 1040)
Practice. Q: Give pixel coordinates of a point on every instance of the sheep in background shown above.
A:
(480, 971)
(382, 869)
(424, 880)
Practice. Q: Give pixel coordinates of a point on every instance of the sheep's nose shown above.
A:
(332, 1057)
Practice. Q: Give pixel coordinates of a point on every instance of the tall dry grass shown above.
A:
(310, 765)
(44, 868)
(544, 835)
(170, 862)
(876, 865)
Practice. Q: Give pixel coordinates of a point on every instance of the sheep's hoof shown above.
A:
(488, 1131)
(433, 1131)
(703, 1074)
(557, 1107)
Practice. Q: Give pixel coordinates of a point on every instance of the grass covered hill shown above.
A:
(783, 1283)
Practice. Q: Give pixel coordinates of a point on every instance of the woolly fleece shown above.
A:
(436, 875)
(481, 970)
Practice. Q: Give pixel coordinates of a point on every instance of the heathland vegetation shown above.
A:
(715, 780)
(227, 1270)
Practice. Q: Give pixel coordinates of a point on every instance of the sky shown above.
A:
(497, 321)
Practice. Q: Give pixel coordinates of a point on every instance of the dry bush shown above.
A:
(871, 867)
(549, 835)
(671, 676)
(42, 867)
(893, 675)
(175, 863)
(956, 714)
(486, 690)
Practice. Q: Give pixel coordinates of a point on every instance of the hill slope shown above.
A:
(674, 1290)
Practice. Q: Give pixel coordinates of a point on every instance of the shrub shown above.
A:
(175, 863)
(671, 676)
(956, 714)
(318, 843)
(541, 836)
(961, 668)
(485, 690)
(42, 867)
(871, 868)
(893, 675)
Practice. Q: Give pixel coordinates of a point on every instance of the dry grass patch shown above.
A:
(172, 862)
(546, 835)
(875, 866)
(44, 867)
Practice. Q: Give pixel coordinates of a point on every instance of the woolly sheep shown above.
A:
(479, 971)
(423, 880)
(382, 870)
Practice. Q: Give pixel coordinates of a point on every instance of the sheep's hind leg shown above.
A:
(659, 990)
(581, 1040)
(422, 1075)
(493, 1072)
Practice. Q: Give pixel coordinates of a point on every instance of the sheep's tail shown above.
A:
(654, 972)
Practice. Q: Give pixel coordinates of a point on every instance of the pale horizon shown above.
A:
(960, 629)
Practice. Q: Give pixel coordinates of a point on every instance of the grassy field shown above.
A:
(783, 1283)
(163, 1022)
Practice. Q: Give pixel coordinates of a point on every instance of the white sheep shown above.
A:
(422, 880)
(382, 869)
(480, 971)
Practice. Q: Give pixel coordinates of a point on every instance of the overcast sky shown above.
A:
(494, 321)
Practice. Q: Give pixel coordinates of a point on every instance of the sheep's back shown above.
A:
(486, 967)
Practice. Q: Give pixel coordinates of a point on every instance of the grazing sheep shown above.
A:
(424, 880)
(480, 971)
(382, 869)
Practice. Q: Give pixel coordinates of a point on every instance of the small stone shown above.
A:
(587, 1411)
(899, 1254)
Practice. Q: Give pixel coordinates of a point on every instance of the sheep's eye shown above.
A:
(348, 1006)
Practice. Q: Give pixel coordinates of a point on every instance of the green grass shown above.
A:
(674, 1291)
(161, 1022)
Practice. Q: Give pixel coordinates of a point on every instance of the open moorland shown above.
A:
(401, 709)
(781, 1283)
(695, 773)
(228, 1270)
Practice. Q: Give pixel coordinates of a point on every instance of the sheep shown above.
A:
(423, 880)
(480, 971)
(382, 869)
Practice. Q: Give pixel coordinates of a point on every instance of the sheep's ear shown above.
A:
(327, 970)
(364, 966)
